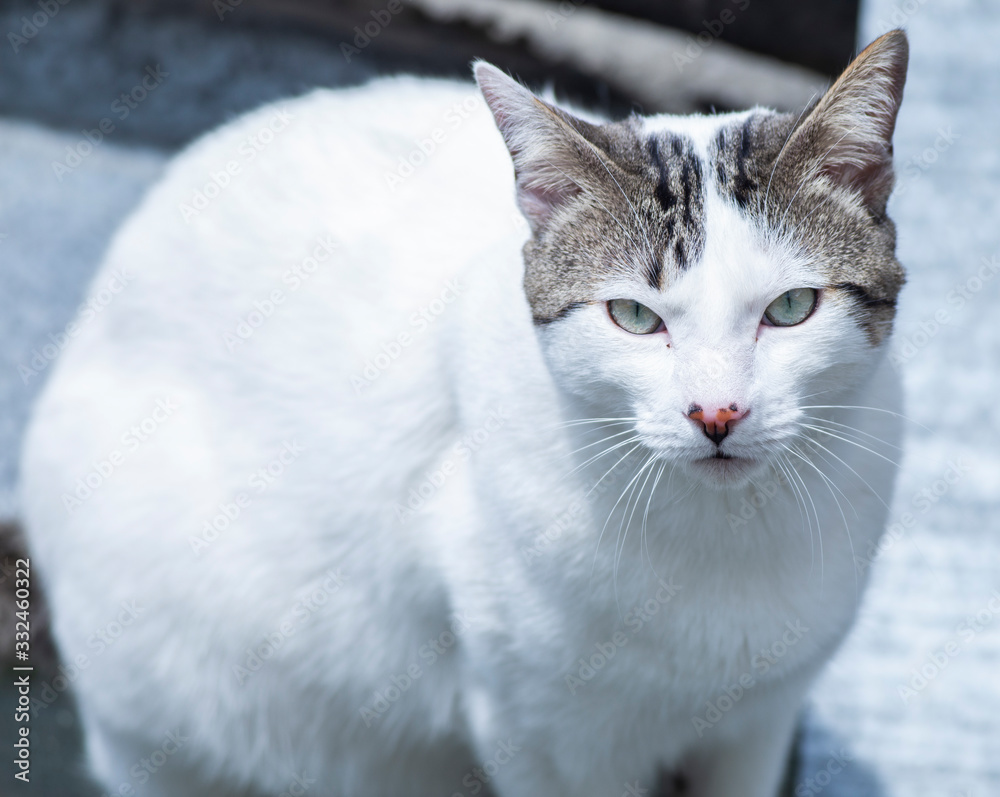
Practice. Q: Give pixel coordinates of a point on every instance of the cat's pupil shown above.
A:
(792, 307)
(633, 317)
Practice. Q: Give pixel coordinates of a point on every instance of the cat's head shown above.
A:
(710, 276)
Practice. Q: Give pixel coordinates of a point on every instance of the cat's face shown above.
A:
(712, 277)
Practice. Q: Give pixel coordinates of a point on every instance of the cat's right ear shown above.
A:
(847, 137)
(545, 143)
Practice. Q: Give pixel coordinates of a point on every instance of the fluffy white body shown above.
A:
(368, 640)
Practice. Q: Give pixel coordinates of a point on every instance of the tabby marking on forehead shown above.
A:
(642, 215)
(745, 153)
(681, 197)
(779, 188)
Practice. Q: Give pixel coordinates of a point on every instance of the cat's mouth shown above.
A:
(725, 470)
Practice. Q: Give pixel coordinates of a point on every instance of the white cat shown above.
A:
(378, 504)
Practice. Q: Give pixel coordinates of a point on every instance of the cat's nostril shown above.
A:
(716, 423)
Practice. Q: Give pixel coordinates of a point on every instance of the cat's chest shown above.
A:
(692, 639)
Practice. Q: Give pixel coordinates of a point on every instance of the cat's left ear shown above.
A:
(554, 157)
(848, 135)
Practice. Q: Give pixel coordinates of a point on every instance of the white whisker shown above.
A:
(800, 502)
(819, 529)
(643, 536)
(623, 526)
(830, 485)
(849, 428)
(864, 481)
(611, 514)
(598, 442)
(596, 457)
(858, 407)
(821, 430)
(586, 421)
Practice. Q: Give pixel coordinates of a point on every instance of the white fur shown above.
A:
(508, 544)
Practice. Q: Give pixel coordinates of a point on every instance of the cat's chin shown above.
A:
(724, 472)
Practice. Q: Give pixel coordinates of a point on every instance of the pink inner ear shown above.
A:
(538, 202)
(872, 179)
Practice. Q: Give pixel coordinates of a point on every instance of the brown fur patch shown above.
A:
(824, 181)
(641, 212)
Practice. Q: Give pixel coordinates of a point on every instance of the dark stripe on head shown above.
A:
(561, 313)
(663, 193)
(863, 296)
(874, 314)
(739, 162)
(679, 192)
(743, 185)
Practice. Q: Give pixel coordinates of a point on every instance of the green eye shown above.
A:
(633, 317)
(791, 308)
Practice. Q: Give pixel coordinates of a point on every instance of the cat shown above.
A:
(393, 470)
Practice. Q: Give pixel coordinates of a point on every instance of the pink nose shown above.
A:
(715, 423)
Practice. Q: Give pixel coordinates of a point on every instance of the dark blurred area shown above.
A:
(67, 61)
(785, 29)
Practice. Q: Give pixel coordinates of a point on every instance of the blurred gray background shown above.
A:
(874, 725)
